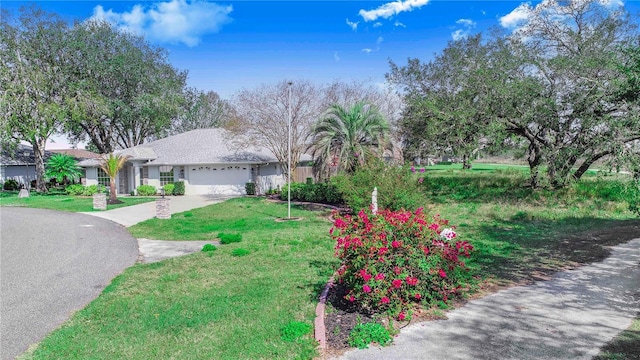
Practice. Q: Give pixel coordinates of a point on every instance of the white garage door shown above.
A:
(217, 180)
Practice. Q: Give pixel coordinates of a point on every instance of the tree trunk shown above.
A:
(534, 159)
(38, 152)
(112, 190)
(466, 162)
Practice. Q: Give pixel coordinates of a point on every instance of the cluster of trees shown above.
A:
(112, 89)
(563, 89)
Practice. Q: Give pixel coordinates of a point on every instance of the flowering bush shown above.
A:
(397, 258)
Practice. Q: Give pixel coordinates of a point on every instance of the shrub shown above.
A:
(394, 260)
(76, 189)
(250, 188)
(11, 185)
(240, 252)
(146, 190)
(229, 238)
(397, 187)
(168, 189)
(209, 247)
(295, 330)
(93, 189)
(325, 193)
(178, 188)
(364, 334)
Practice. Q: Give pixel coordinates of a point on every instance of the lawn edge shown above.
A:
(320, 331)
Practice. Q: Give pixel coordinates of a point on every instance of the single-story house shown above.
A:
(208, 161)
(19, 164)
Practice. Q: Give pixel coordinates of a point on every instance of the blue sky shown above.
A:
(229, 45)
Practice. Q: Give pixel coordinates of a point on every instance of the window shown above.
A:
(166, 175)
(103, 178)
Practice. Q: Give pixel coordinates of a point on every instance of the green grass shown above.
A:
(625, 346)
(201, 306)
(235, 307)
(64, 202)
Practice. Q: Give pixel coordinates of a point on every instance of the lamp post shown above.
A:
(289, 153)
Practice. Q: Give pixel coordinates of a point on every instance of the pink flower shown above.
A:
(418, 296)
(420, 180)
(384, 300)
(380, 276)
(364, 275)
(395, 244)
(366, 288)
(434, 226)
(421, 170)
(426, 250)
(397, 270)
(397, 283)
(331, 231)
(411, 281)
(339, 223)
(401, 316)
(442, 273)
(351, 298)
(413, 169)
(382, 250)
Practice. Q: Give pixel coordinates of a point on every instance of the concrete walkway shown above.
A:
(131, 215)
(569, 317)
(157, 250)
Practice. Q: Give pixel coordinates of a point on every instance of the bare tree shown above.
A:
(263, 116)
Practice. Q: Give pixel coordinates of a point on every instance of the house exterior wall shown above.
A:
(154, 176)
(23, 174)
(91, 176)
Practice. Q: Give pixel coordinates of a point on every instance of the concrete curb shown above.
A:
(320, 331)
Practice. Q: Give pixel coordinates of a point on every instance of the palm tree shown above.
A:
(63, 168)
(111, 164)
(345, 138)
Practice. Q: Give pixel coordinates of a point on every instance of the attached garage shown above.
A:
(216, 179)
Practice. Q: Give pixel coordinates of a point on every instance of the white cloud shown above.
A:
(174, 21)
(466, 22)
(516, 17)
(379, 40)
(467, 26)
(377, 24)
(353, 25)
(612, 3)
(459, 35)
(392, 8)
(336, 57)
(399, 24)
(367, 50)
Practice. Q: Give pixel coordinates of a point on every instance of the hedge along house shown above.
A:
(209, 161)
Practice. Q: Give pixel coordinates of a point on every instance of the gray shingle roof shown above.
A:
(202, 146)
(23, 155)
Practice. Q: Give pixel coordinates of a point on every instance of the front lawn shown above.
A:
(64, 202)
(214, 304)
(223, 305)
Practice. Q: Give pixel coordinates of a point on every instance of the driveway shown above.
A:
(52, 264)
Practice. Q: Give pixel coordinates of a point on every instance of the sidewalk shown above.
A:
(131, 215)
(158, 250)
(569, 317)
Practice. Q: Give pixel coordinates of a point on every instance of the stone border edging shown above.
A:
(320, 331)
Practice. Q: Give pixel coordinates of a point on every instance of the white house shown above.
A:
(209, 161)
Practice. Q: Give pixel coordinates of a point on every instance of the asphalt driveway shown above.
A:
(52, 264)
